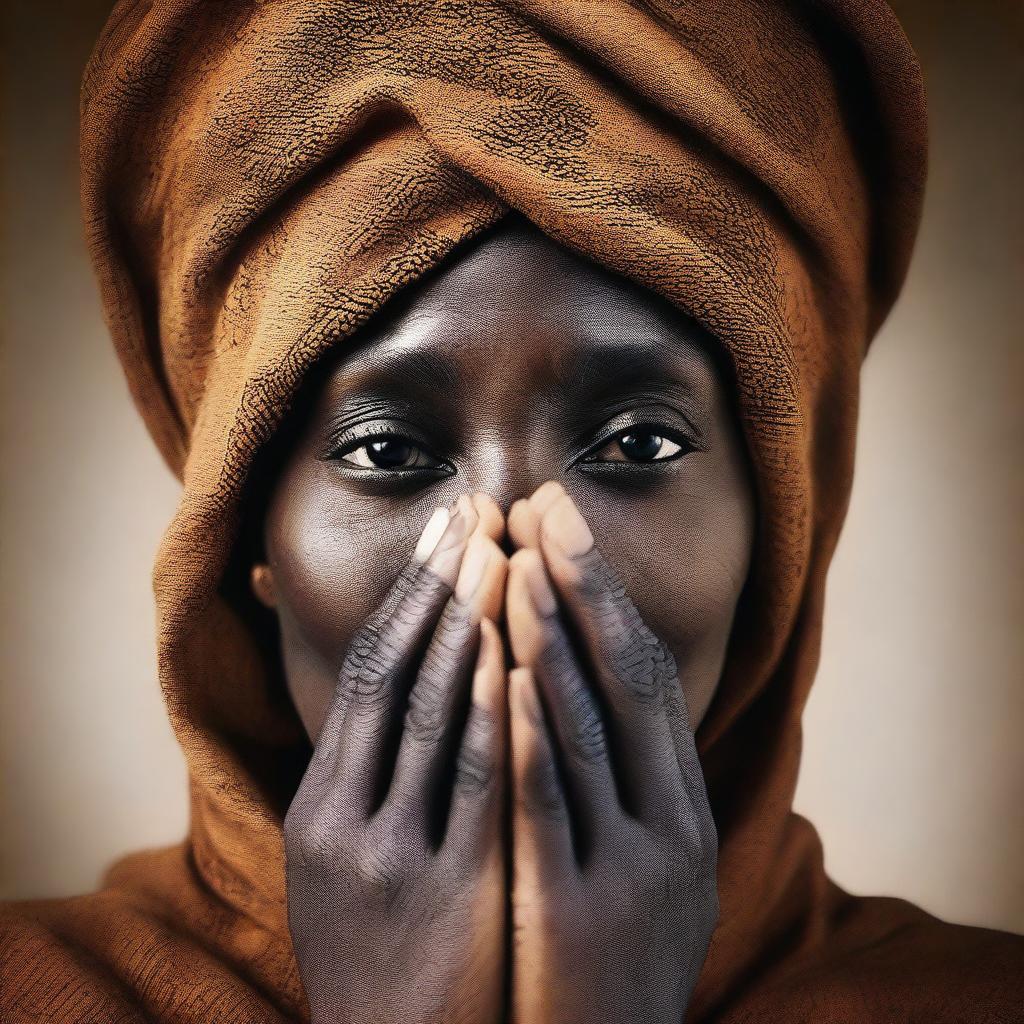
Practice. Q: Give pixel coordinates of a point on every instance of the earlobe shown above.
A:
(261, 579)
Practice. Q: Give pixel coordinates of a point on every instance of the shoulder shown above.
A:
(133, 952)
(51, 967)
(886, 959)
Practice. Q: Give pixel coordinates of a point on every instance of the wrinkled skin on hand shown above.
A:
(374, 896)
(613, 874)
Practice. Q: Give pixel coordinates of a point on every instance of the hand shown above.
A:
(614, 848)
(396, 882)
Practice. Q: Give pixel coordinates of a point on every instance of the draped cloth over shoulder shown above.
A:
(260, 178)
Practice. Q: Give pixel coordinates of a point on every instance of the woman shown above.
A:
(263, 186)
(606, 388)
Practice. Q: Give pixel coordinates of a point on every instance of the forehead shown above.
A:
(518, 305)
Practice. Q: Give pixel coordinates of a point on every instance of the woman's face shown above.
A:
(521, 363)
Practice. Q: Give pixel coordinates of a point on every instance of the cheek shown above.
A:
(684, 558)
(688, 578)
(333, 560)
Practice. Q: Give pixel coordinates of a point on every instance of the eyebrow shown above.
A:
(588, 368)
(602, 369)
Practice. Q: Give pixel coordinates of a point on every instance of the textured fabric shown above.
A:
(259, 178)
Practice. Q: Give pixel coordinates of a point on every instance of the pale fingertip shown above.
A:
(563, 529)
(474, 566)
(542, 596)
(490, 638)
(548, 492)
(492, 522)
(484, 655)
(539, 502)
(446, 558)
(431, 534)
(480, 585)
(523, 524)
(520, 558)
(493, 588)
(489, 664)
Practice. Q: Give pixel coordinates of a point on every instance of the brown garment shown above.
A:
(258, 179)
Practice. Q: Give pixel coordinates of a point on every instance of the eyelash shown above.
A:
(686, 445)
(652, 429)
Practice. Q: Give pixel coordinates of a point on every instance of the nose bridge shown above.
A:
(511, 447)
(507, 465)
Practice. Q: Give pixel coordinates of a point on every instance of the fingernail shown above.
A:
(446, 558)
(436, 525)
(545, 495)
(541, 594)
(493, 522)
(488, 675)
(564, 525)
(463, 519)
(474, 564)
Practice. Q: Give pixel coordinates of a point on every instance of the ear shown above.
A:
(261, 579)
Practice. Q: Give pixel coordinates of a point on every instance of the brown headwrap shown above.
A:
(259, 178)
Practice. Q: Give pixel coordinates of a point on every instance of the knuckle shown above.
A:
(475, 768)
(643, 663)
(360, 647)
(454, 624)
(587, 739)
(376, 864)
(677, 710)
(367, 683)
(314, 843)
(641, 660)
(425, 587)
(380, 641)
(427, 714)
(361, 678)
(588, 735)
(599, 584)
(378, 872)
(425, 717)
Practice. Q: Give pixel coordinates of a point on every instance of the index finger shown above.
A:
(384, 643)
(634, 668)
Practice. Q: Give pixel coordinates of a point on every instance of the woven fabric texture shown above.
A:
(258, 179)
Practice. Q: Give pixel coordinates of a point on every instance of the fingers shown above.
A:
(634, 670)
(437, 702)
(540, 643)
(525, 514)
(475, 813)
(492, 522)
(382, 658)
(541, 837)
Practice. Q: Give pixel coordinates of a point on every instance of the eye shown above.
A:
(646, 442)
(387, 452)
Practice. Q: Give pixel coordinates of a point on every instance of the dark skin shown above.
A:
(503, 705)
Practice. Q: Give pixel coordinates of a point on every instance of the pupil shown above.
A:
(388, 452)
(642, 447)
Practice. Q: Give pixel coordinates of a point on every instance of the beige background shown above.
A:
(913, 768)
